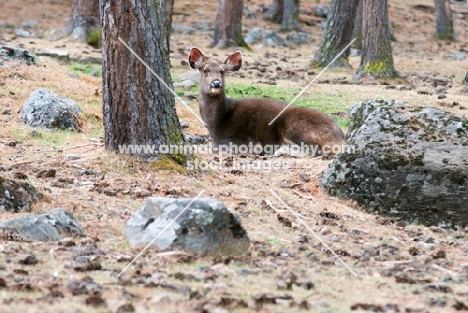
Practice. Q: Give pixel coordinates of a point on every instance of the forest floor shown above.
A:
(399, 268)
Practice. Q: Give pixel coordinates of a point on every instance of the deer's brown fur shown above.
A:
(244, 121)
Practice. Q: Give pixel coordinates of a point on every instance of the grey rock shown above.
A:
(17, 196)
(321, 11)
(441, 95)
(272, 39)
(22, 33)
(73, 75)
(32, 23)
(195, 139)
(299, 38)
(355, 53)
(49, 226)
(6, 111)
(190, 75)
(185, 84)
(202, 25)
(87, 59)
(185, 30)
(184, 125)
(253, 36)
(34, 134)
(459, 56)
(407, 161)
(46, 109)
(247, 13)
(13, 53)
(58, 54)
(206, 227)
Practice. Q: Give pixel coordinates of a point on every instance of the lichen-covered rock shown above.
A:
(13, 53)
(49, 226)
(205, 228)
(47, 109)
(409, 162)
(17, 196)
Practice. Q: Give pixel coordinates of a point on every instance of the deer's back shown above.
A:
(248, 121)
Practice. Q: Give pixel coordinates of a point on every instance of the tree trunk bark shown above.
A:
(166, 9)
(275, 12)
(377, 57)
(85, 16)
(337, 35)
(228, 27)
(137, 108)
(444, 20)
(290, 19)
(357, 31)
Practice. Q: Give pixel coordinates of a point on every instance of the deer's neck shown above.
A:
(214, 108)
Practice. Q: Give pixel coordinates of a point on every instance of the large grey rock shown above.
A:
(299, 38)
(272, 39)
(46, 109)
(13, 53)
(49, 226)
(17, 196)
(409, 162)
(205, 228)
(253, 36)
(191, 75)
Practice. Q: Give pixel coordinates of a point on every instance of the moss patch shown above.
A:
(166, 163)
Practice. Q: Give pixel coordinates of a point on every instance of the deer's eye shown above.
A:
(222, 72)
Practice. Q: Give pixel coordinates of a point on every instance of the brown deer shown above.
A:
(246, 121)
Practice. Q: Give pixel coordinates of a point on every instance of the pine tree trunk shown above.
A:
(228, 27)
(137, 108)
(275, 12)
(290, 19)
(377, 57)
(85, 16)
(357, 31)
(444, 20)
(337, 34)
(166, 8)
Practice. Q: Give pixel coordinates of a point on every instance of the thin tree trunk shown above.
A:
(337, 34)
(137, 108)
(85, 16)
(228, 27)
(290, 19)
(166, 9)
(377, 57)
(444, 20)
(357, 31)
(275, 12)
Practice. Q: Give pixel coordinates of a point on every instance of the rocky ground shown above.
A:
(388, 266)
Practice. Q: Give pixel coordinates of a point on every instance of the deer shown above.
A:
(246, 121)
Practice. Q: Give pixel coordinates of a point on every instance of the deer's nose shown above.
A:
(216, 84)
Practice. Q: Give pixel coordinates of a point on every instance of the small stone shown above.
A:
(34, 134)
(321, 11)
(6, 111)
(441, 95)
(22, 33)
(29, 259)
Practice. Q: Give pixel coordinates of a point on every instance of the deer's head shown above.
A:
(212, 71)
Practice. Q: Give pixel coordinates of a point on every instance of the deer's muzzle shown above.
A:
(216, 84)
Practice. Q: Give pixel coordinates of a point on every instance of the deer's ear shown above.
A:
(234, 62)
(196, 58)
